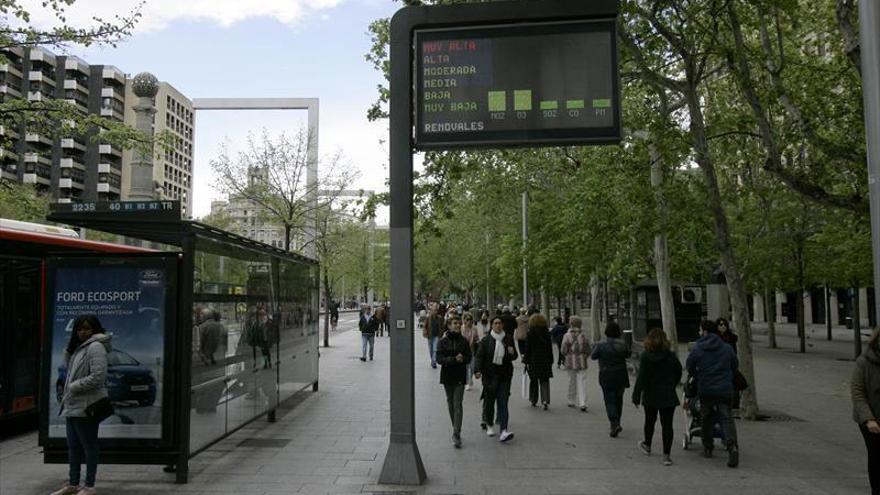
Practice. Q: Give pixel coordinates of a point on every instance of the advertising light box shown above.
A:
(523, 84)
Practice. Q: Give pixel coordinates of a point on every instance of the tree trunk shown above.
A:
(594, 309)
(661, 253)
(856, 323)
(828, 311)
(770, 310)
(801, 324)
(735, 285)
(327, 295)
(287, 237)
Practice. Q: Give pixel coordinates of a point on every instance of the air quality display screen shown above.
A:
(517, 85)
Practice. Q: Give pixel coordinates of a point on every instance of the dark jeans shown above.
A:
(454, 396)
(500, 395)
(544, 385)
(613, 404)
(872, 442)
(666, 415)
(560, 360)
(715, 409)
(82, 442)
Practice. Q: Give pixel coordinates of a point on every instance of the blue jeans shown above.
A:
(500, 396)
(367, 338)
(613, 404)
(432, 349)
(82, 441)
(716, 409)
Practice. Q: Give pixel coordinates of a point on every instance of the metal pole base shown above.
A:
(403, 465)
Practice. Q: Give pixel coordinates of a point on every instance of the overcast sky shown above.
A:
(258, 48)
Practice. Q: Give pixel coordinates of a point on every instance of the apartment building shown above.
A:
(79, 167)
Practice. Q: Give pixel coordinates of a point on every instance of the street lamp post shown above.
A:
(869, 37)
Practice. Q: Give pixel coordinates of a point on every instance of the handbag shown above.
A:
(739, 381)
(100, 410)
(690, 387)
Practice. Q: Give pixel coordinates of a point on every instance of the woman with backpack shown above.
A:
(659, 374)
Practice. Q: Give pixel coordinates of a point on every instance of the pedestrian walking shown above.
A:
(483, 325)
(471, 335)
(726, 333)
(370, 324)
(713, 364)
(522, 330)
(865, 392)
(575, 350)
(382, 324)
(334, 315)
(84, 401)
(454, 356)
(556, 334)
(494, 365)
(538, 359)
(509, 321)
(432, 330)
(659, 374)
(613, 377)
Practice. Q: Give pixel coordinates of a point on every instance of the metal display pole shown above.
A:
(869, 36)
(525, 241)
(403, 462)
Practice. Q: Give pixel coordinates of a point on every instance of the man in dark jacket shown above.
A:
(454, 354)
(613, 376)
(714, 363)
(369, 325)
(557, 333)
(432, 331)
(509, 321)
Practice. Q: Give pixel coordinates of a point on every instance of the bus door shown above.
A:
(20, 315)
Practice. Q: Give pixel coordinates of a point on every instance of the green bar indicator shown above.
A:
(574, 104)
(497, 101)
(549, 105)
(522, 99)
(603, 103)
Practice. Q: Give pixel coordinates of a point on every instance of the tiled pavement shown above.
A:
(334, 441)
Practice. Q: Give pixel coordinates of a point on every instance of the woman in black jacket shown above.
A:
(865, 392)
(659, 374)
(454, 354)
(613, 377)
(494, 364)
(538, 358)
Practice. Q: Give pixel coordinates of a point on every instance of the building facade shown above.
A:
(77, 167)
(247, 219)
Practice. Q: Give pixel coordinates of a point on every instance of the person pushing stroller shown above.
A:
(713, 363)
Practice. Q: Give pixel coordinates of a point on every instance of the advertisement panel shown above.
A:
(130, 297)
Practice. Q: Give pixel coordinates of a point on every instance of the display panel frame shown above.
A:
(528, 137)
(168, 440)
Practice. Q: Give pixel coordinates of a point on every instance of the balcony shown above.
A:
(112, 93)
(38, 54)
(74, 63)
(11, 69)
(114, 74)
(9, 132)
(70, 183)
(8, 154)
(33, 137)
(106, 187)
(79, 105)
(35, 179)
(37, 158)
(112, 112)
(37, 76)
(107, 149)
(72, 163)
(70, 143)
(35, 96)
(64, 200)
(10, 90)
(75, 84)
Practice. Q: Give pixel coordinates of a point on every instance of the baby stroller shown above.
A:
(692, 417)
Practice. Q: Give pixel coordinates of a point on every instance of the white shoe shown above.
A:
(490, 431)
(505, 436)
(67, 489)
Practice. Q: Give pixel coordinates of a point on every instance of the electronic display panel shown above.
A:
(524, 84)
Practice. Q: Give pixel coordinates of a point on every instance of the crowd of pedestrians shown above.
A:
(486, 351)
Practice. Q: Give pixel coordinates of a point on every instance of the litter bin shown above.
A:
(628, 339)
(849, 322)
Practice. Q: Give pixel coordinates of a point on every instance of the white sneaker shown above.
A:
(490, 431)
(67, 489)
(505, 436)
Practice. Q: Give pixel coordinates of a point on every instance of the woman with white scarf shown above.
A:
(494, 364)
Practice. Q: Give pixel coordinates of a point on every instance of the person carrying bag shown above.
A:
(84, 401)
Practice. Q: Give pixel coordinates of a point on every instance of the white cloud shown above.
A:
(159, 13)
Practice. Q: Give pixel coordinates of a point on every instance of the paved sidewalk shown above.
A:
(338, 439)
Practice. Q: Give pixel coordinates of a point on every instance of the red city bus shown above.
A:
(24, 248)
